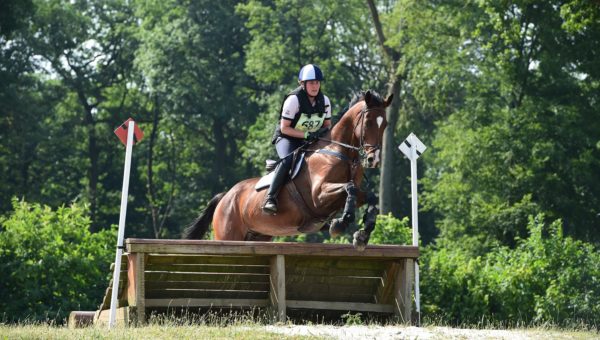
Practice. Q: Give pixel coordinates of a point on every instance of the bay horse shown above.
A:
(328, 182)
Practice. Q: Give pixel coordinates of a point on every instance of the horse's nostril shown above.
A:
(370, 159)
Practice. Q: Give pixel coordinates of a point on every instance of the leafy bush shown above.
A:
(546, 278)
(390, 230)
(51, 263)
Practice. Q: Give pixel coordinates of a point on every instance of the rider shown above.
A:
(305, 115)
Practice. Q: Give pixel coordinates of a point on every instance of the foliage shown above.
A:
(522, 138)
(51, 264)
(547, 278)
(505, 95)
(391, 230)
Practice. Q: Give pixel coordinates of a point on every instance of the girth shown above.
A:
(307, 215)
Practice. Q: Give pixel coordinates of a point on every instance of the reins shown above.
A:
(362, 146)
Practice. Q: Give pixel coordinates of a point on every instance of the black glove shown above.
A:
(311, 136)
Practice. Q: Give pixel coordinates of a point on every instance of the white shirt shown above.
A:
(291, 107)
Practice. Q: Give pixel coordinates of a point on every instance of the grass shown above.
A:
(238, 325)
(147, 332)
(253, 325)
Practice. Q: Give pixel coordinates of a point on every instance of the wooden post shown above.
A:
(136, 292)
(403, 291)
(277, 279)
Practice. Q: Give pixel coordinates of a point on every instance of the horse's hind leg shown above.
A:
(227, 222)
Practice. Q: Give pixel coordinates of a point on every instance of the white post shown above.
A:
(121, 234)
(412, 148)
(415, 224)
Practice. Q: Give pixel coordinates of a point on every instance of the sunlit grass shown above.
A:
(253, 325)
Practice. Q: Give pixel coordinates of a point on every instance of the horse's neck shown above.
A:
(343, 131)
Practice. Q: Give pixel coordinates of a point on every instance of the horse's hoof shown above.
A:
(360, 240)
(337, 227)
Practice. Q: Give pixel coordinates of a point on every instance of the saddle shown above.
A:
(270, 166)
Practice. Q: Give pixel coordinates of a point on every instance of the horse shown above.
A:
(328, 181)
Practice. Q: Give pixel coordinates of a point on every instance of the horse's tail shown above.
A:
(200, 226)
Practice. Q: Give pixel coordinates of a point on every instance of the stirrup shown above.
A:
(270, 206)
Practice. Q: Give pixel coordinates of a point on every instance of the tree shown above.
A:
(285, 35)
(87, 45)
(525, 138)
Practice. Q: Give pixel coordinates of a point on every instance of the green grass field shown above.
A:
(148, 332)
(288, 331)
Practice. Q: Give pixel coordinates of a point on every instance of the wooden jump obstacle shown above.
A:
(176, 274)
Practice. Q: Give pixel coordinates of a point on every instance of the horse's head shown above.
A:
(369, 124)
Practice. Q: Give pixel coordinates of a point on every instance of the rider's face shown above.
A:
(312, 87)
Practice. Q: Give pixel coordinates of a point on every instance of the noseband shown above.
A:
(362, 148)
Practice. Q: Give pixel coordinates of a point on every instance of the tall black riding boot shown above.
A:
(280, 177)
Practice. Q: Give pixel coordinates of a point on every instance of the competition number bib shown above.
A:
(311, 124)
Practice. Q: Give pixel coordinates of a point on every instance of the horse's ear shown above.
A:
(368, 97)
(388, 101)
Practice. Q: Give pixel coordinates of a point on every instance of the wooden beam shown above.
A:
(242, 260)
(386, 290)
(207, 303)
(403, 291)
(136, 294)
(277, 295)
(346, 306)
(266, 248)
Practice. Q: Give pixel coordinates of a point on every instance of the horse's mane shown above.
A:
(360, 95)
(356, 97)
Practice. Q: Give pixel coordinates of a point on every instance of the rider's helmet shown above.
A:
(310, 72)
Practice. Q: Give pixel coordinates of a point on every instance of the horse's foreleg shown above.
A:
(361, 237)
(338, 225)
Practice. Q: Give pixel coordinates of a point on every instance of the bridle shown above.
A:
(362, 147)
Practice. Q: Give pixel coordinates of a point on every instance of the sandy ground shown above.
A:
(399, 332)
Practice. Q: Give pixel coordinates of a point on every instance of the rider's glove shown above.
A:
(311, 136)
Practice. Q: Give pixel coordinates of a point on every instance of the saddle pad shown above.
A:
(266, 180)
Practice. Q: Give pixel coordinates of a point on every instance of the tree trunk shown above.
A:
(392, 58)
(220, 170)
(386, 185)
(93, 153)
(154, 210)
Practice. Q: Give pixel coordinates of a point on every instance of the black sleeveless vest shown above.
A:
(305, 108)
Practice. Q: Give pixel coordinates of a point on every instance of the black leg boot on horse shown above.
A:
(279, 179)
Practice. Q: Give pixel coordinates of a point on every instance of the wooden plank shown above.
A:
(140, 289)
(344, 306)
(122, 317)
(337, 262)
(216, 277)
(278, 289)
(206, 294)
(154, 285)
(266, 248)
(206, 259)
(385, 291)
(327, 288)
(331, 280)
(208, 268)
(331, 296)
(403, 291)
(207, 303)
(297, 270)
(105, 304)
